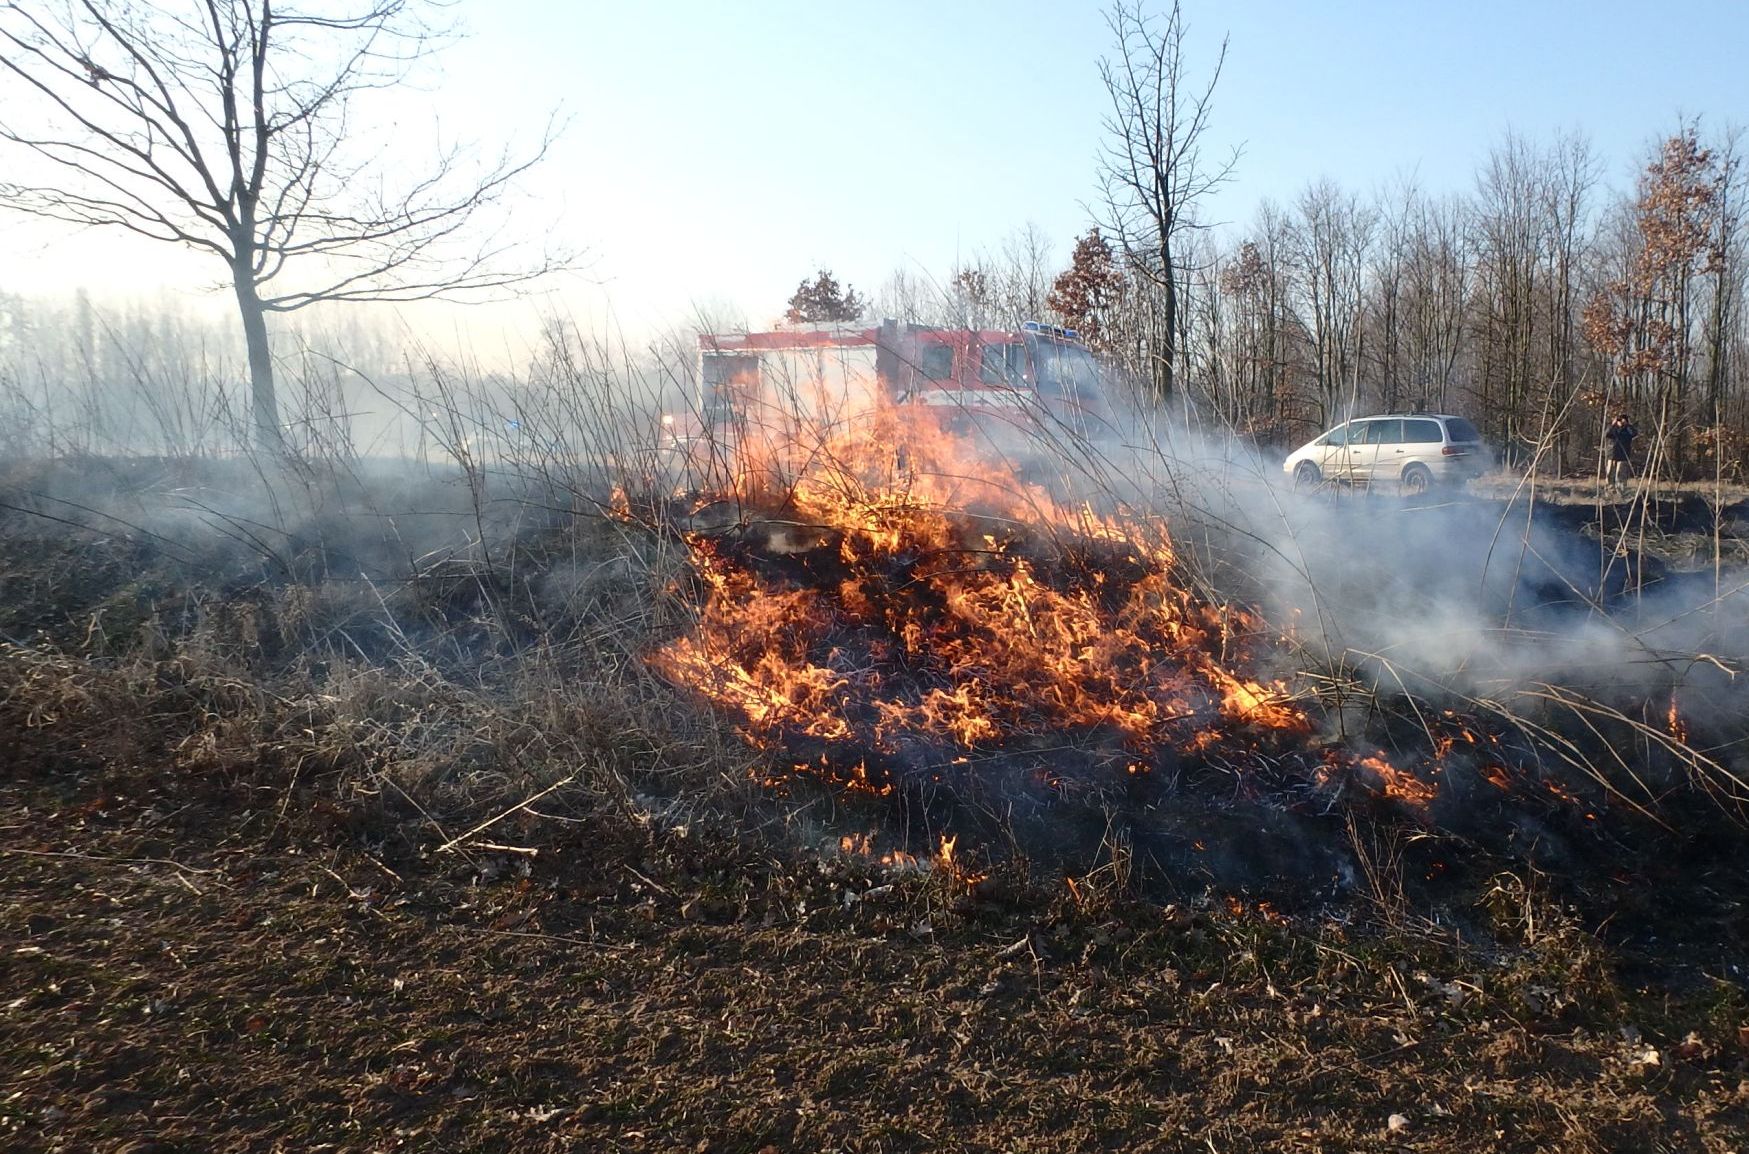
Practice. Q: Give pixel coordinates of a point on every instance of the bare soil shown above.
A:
(224, 962)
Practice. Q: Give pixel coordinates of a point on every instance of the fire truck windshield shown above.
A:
(1063, 370)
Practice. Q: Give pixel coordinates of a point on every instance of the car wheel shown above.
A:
(1416, 480)
(1307, 476)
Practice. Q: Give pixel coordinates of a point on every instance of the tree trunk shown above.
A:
(1164, 359)
(264, 402)
(1716, 356)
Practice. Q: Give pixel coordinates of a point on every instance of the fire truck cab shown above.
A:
(969, 378)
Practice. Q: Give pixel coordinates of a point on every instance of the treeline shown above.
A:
(80, 378)
(1536, 304)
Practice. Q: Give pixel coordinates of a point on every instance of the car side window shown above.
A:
(1384, 433)
(1422, 432)
(1336, 436)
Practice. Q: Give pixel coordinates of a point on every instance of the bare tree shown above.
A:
(1334, 238)
(229, 127)
(1512, 235)
(1025, 274)
(1727, 283)
(1574, 176)
(1437, 287)
(1152, 165)
(905, 296)
(1395, 212)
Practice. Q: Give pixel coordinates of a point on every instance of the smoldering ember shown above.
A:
(1230, 665)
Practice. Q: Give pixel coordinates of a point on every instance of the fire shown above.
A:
(901, 601)
(1253, 702)
(1262, 910)
(1557, 790)
(944, 855)
(1678, 726)
(1397, 783)
(859, 780)
(867, 845)
(1379, 776)
(945, 603)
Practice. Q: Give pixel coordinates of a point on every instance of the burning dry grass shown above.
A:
(989, 644)
(908, 599)
(924, 629)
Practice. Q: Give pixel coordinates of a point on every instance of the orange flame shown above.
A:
(942, 597)
(1556, 789)
(1378, 775)
(865, 845)
(1398, 783)
(945, 854)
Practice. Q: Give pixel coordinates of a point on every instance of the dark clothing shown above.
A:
(1621, 440)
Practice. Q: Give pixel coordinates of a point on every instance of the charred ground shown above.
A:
(250, 907)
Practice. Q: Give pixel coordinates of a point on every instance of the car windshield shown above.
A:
(1462, 430)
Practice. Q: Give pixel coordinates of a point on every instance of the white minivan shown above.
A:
(1414, 451)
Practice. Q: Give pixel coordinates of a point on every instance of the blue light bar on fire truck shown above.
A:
(1043, 329)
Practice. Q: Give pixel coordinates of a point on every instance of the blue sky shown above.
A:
(717, 152)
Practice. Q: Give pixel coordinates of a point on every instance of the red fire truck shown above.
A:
(974, 380)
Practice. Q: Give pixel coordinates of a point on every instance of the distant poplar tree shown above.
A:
(822, 300)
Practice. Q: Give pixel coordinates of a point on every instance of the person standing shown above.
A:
(1619, 438)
